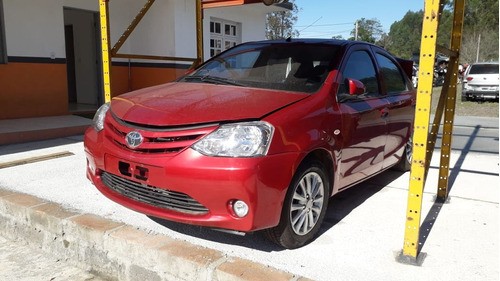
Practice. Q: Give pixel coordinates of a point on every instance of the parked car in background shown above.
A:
(414, 76)
(258, 137)
(481, 82)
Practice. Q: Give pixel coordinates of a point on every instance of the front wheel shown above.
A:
(404, 163)
(304, 208)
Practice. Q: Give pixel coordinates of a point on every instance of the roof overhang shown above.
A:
(207, 4)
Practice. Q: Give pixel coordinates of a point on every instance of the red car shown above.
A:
(258, 137)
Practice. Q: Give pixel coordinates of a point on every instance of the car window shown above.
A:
(484, 69)
(282, 66)
(394, 79)
(360, 66)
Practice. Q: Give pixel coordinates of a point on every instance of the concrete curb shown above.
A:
(14, 131)
(118, 251)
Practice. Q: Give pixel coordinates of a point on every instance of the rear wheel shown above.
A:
(304, 207)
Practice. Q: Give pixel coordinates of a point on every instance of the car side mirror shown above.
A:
(356, 87)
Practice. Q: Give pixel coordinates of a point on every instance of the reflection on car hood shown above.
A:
(180, 103)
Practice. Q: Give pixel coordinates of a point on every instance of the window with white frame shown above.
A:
(3, 47)
(223, 35)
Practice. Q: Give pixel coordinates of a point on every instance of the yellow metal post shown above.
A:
(105, 47)
(421, 127)
(449, 113)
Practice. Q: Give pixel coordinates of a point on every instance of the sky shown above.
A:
(328, 18)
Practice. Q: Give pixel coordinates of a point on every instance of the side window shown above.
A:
(3, 48)
(394, 80)
(360, 66)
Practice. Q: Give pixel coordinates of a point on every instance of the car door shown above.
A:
(364, 129)
(400, 97)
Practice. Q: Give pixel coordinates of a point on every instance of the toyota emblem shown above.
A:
(133, 139)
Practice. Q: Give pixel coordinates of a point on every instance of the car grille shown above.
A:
(157, 139)
(154, 196)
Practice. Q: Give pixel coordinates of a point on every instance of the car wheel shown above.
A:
(304, 207)
(404, 163)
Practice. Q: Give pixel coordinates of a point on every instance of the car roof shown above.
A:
(486, 62)
(311, 41)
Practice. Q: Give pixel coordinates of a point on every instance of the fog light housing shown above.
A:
(240, 208)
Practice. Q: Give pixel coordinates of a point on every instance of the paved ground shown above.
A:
(364, 227)
(22, 262)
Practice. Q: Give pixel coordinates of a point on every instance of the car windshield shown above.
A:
(286, 66)
(484, 69)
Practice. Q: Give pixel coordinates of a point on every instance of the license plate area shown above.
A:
(129, 169)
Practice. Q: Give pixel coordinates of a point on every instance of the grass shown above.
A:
(468, 108)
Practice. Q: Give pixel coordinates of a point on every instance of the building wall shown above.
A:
(33, 88)
(34, 81)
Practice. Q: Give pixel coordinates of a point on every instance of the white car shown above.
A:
(481, 81)
(414, 77)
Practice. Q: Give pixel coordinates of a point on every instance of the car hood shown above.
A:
(180, 103)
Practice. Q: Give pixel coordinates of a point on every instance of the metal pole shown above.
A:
(478, 47)
(421, 129)
(356, 31)
(131, 27)
(199, 33)
(451, 91)
(105, 48)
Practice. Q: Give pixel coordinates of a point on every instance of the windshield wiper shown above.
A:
(213, 80)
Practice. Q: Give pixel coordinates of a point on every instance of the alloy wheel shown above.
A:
(307, 203)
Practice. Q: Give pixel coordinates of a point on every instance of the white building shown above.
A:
(50, 52)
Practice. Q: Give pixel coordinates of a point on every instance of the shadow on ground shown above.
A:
(30, 146)
(338, 208)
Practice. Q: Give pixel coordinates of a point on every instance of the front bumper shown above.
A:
(212, 184)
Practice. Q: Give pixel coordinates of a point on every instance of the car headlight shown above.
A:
(98, 121)
(249, 139)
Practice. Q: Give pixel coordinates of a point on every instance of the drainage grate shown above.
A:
(35, 159)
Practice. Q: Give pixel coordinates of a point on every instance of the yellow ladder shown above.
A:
(108, 52)
(424, 140)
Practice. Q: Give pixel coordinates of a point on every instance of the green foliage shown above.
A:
(481, 21)
(368, 30)
(405, 35)
(480, 36)
(279, 25)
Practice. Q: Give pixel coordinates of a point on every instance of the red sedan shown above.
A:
(258, 137)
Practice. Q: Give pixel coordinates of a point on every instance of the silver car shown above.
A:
(481, 82)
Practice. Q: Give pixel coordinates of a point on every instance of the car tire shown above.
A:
(304, 207)
(404, 163)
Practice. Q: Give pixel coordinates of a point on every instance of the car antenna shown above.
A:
(289, 39)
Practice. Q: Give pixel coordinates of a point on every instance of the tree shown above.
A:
(368, 30)
(279, 25)
(480, 33)
(405, 35)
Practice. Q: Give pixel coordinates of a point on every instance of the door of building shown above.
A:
(83, 59)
